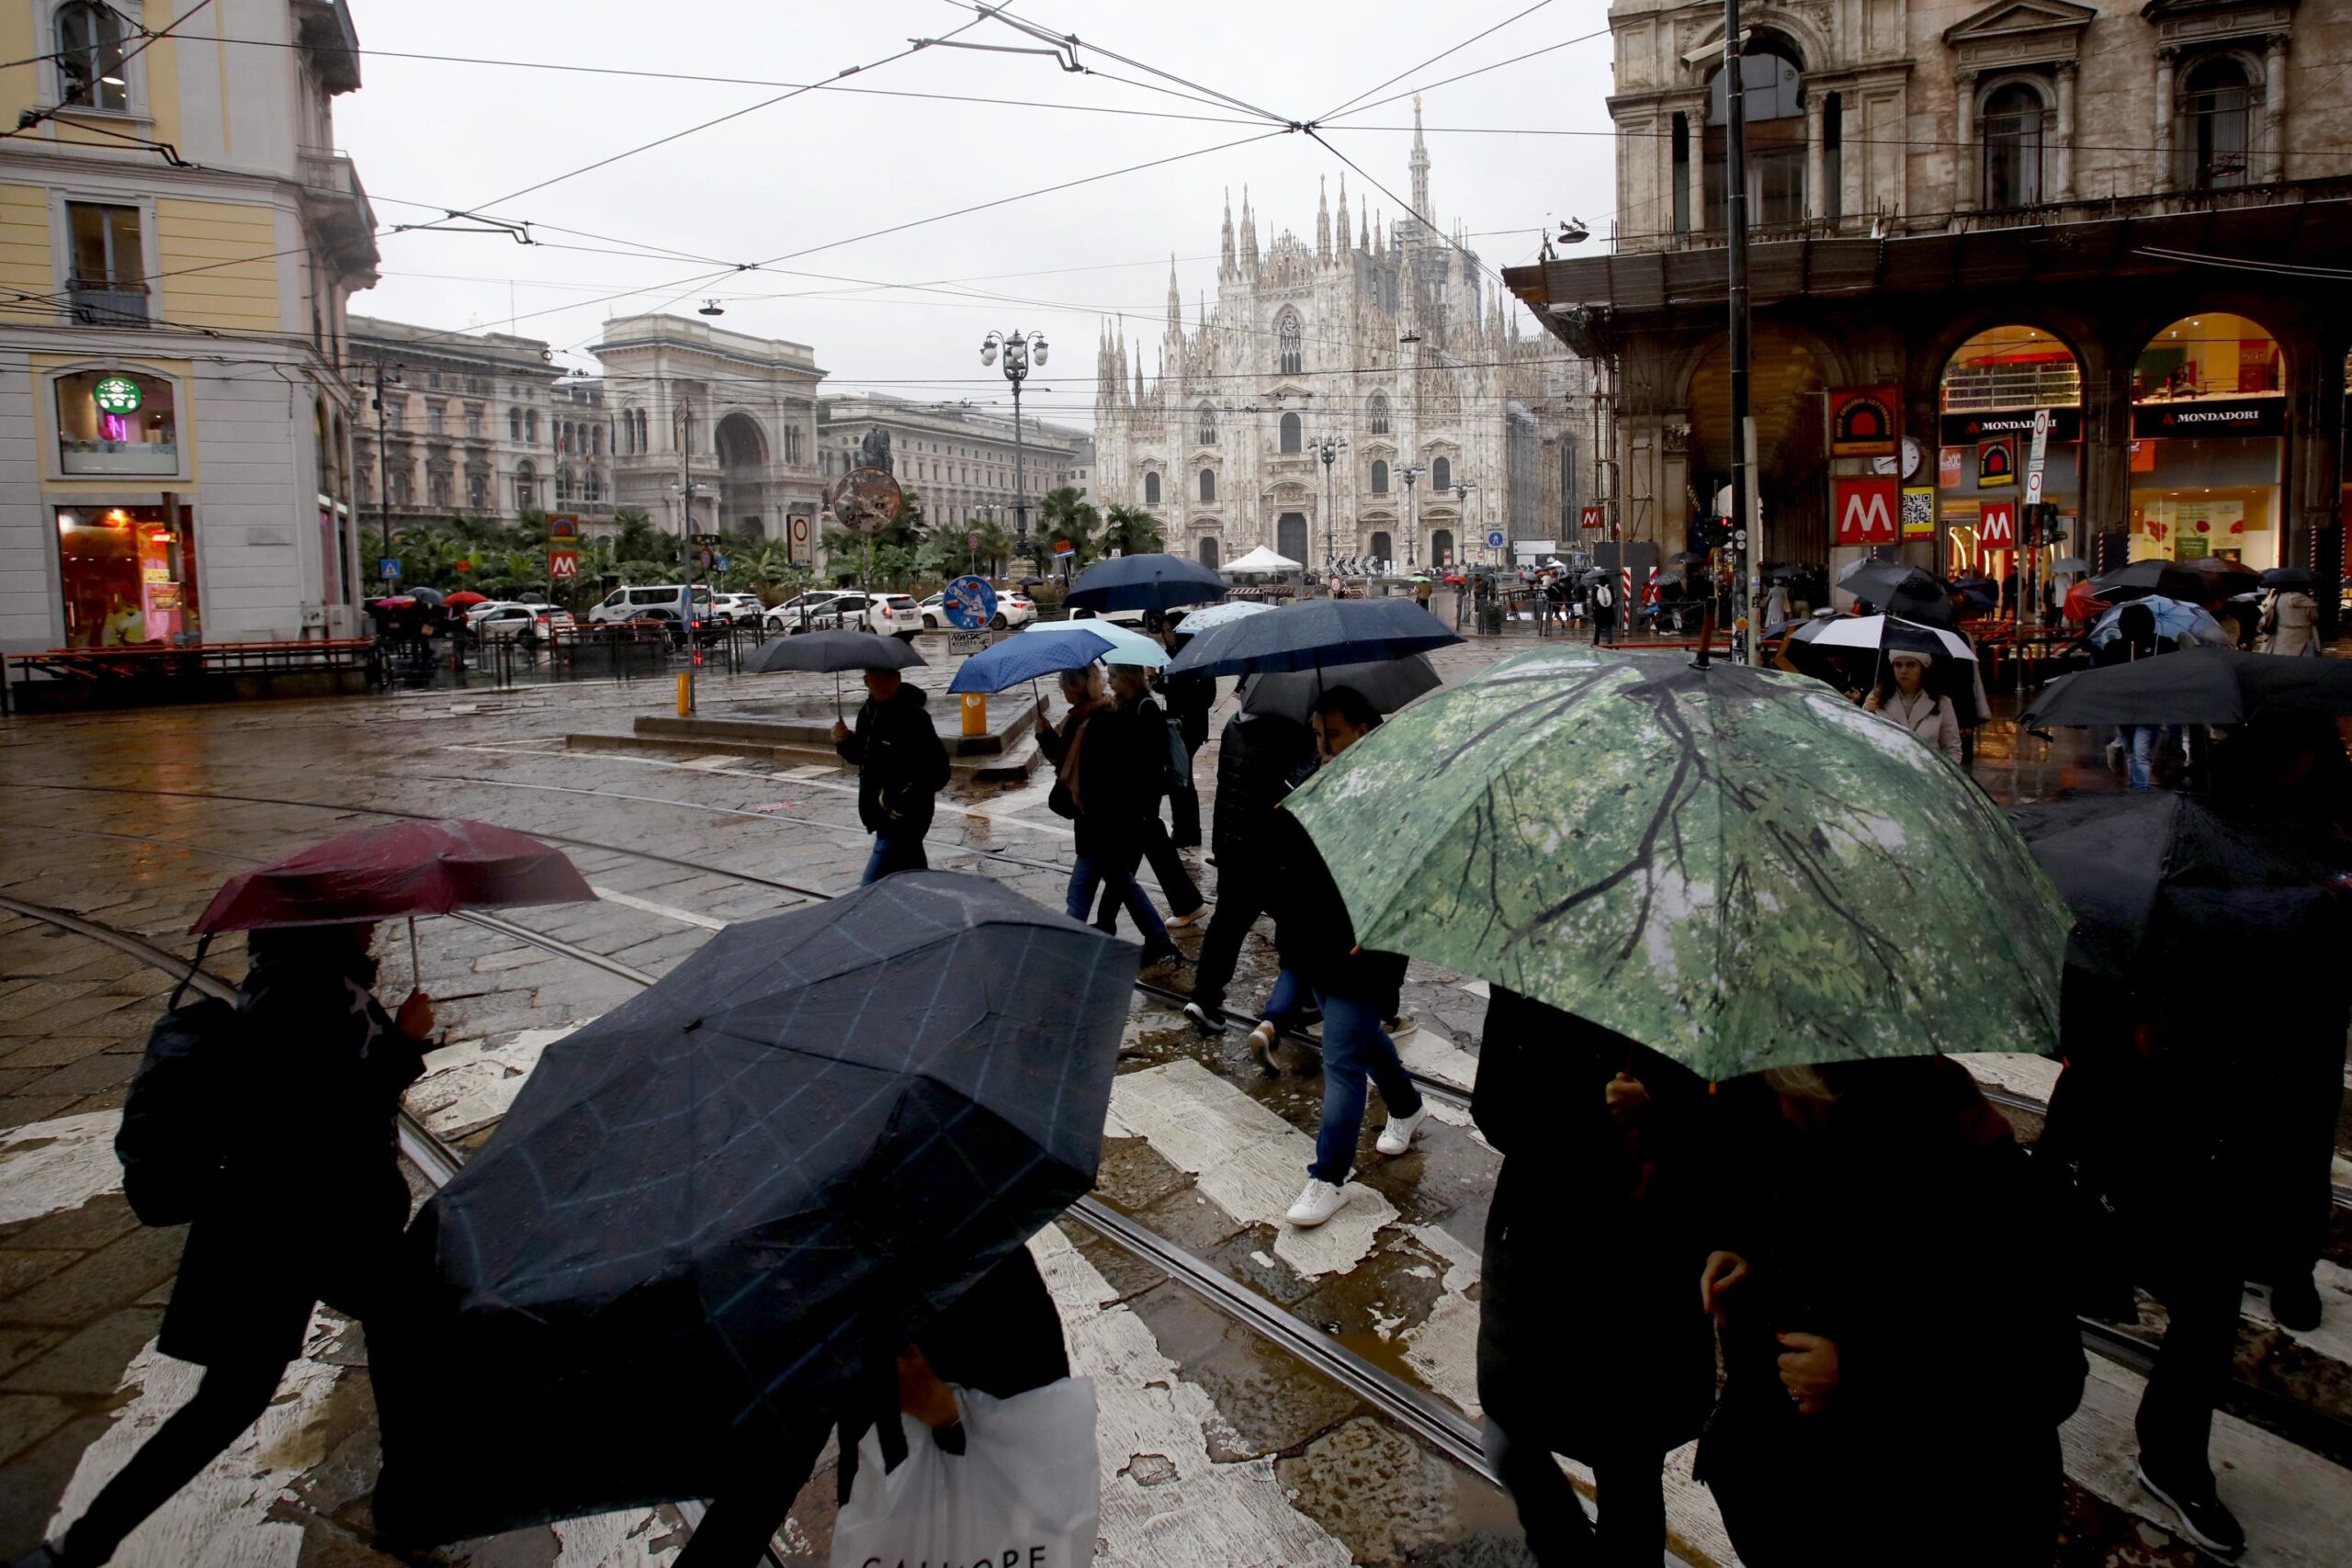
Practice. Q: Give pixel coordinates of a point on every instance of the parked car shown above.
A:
(895, 614)
(658, 602)
(790, 615)
(1131, 619)
(498, 622)
(737, 609)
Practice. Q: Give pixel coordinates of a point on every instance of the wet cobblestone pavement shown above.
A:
(1219, 1447)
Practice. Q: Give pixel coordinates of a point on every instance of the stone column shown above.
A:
(2274, 109)
(2166, 60)
(2062, 162)
(1816, 200)
(1966, 156)
(2105, 480)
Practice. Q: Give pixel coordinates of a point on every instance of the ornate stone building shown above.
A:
(1389, 338)
(2131, 213)
(958, 459)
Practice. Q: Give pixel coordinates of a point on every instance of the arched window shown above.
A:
(477, 492)
(515, 425)
(2216, 131)
(1379, 477)
(595, 440)
(562, 486)
(1376, 415)
(1774, 108)
(1207, 435)
(526, 486)
(1442, 547)
(1382, 546)
(1291, 359)
(1208, 484)
(531, 426)
(1292, 434)
(2013, 124)
(1441, 474)
(1208, 552)
(1151, 490)
(89, 57)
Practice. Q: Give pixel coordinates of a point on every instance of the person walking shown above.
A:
(1354, 989)
(1155, 743)
(2290, 624)
(1902, 697)
(901, 767)
(1593, 1238)
(1776, 607)
(307, 1205)
(2135, 638)
(1604, 614)
(1260, 758)
(1837, 1425)
(1422, 590)
(1109, 769)
(1190, 698)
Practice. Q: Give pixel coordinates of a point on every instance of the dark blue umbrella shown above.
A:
(1146, 582)
(1317, 635)
(747, 1187)
(1019, 659)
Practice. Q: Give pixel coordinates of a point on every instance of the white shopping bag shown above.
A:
(1024, 1494)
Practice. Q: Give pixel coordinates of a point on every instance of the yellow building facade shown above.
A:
(178, 241)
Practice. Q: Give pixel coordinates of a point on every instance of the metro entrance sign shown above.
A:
(1867, 510)
(1590, 517)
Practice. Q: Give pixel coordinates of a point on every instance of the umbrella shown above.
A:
(1127, 647)
(2173, 619)
(748, 1187)
(2201, 685)
(1888, 633)
(1688, 558)
(1198, 621)
(832, 653)
(2162, 884)
(466, 598)
(425, 595)
(2291, 578)
(1156, 582)
(1732, 866)
(2083, 602)
(1261, 559)
(1882, 581)
(2206, 578)
(1019, 659)
(2070, 563)
(1319, 634)
(1387, 684)
(394, 602)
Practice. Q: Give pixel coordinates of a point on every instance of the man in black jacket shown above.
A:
(901, 768)
(1190, 698)
(1261, 758)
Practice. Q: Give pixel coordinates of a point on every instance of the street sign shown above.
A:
(389, 569)
(1063, 553)
(721, 563)
(1590, 517)
(563, 525)
(970, 602)
(1996, 526)
(707, 540)
(1494, 538)
(1867, 510)
(564, 564)
(972, 541)
(2035, 457)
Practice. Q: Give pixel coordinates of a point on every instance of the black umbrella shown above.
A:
(2199, 686)
(2291, 578)
(1880, 581)
(1387, 684)
(1692, 557)
(2164, 888)
(834, 653)
(1156, 582)
(1319, 634)
(737, 1196)
(2198, 582)
(428, 596)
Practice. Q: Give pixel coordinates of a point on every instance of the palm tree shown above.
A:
(995, 546)
(1131, 531)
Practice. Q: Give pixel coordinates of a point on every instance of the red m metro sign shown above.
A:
(1865, 511)
(1997, 526)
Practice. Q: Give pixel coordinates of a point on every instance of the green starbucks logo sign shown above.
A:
(116, 394)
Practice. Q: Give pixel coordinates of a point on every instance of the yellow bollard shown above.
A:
(976, 713)
(685, 695)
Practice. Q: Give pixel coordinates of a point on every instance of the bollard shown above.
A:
(685, 695)
(976, 713)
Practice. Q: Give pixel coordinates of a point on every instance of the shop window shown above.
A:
(117, 421)
(90, 66)
(2012, 121)
(1774, 110)
(2215, 133)
(2209, 426)
(108, 284)
(1993, 386)
(128, 577)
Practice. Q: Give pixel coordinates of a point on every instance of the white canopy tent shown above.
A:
(1261, 559)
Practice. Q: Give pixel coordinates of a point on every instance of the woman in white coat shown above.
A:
(1902, 696)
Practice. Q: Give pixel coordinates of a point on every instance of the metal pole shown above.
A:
(1412, 518)
(1736, 274)
(1020, 462)
(1330, 523)
(383, 471)
(686, 531)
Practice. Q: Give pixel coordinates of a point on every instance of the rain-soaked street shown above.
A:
(1352, 1439)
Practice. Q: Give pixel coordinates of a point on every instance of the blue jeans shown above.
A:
(2139, 751)
(1354, 1047)
(895, 849)
(1118, 873)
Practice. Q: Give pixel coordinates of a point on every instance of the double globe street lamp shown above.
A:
(1328, 448)
(1018, 349)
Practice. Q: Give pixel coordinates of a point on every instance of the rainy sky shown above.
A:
(794, 185)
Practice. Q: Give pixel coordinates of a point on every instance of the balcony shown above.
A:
(107, 304)
(334, 201)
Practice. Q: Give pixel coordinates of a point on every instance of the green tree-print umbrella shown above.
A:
(1734, 866)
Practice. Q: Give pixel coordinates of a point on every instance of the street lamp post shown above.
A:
(1461, 493)
(1018, 349)
(1410, 473)
(1328, 449)
(383, 464)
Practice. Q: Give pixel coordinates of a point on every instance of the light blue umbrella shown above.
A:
(1126, 646)
(2174, 618)
(1215, 615)
(1028, 657)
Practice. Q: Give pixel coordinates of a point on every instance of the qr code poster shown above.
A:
(1918, 514)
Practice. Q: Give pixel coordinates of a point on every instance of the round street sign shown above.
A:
(1495, 538)
(970, 602)
(116, 394)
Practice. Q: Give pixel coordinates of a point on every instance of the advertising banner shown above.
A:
(1997, 462)
(1862, 421)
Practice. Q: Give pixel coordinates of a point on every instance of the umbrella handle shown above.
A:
(194, 966)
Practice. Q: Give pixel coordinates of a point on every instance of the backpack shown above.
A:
(1179, 758)
(1603, 597)
(170, 1143)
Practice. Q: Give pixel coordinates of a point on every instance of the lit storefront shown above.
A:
(1992, 387)
(120, 504)
(128, 575)
(2208, 440)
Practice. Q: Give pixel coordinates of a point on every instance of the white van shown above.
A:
(656, 604)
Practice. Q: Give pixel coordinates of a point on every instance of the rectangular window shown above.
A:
(109, 284)
(128, 576)
(436, 417)
(1681, 173)
(117, 421)
(1833, 156)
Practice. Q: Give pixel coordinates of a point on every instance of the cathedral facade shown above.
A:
(1390, 341)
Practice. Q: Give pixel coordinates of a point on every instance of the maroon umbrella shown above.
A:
(408, 868)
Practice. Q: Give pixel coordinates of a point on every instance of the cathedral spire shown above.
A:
(1248, 235)
(1175, 301)
(1343, 212)
(1420, 165)
(1226, 269)
(1322, 221)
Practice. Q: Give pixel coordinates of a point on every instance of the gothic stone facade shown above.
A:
(1389, 340)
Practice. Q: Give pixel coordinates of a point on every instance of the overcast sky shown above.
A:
(825, 167)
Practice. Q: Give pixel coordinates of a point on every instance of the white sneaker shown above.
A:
(1397, 1136)
(1401, 1026)
(1317, 1201)
(1195, 918)
(1261, 1050)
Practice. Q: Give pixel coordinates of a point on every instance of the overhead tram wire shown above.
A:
(1465, 76)
(1432, 60)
